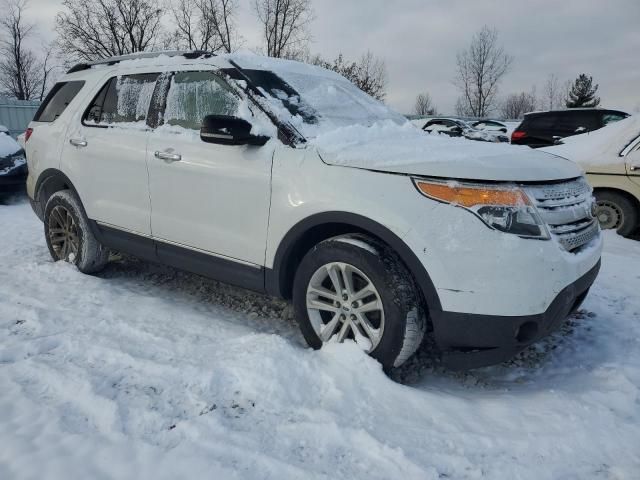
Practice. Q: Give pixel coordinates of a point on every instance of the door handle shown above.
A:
(78, 142)
(168, 157)
(633, 168)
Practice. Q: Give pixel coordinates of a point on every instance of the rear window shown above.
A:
(57, 100)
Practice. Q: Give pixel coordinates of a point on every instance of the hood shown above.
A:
(393, 148)
(601, 147)
(8, 146)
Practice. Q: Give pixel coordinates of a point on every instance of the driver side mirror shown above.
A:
(227, 130)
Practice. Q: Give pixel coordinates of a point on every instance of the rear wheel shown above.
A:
(616, 212)
(354, 288)
(68, 235)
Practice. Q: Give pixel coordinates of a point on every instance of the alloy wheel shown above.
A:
(63, 234)
(342, 302)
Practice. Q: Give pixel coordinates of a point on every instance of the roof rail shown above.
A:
(190, 54)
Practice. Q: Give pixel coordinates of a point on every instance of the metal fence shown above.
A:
(16, 114)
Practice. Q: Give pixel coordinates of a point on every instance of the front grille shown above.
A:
(566, 208)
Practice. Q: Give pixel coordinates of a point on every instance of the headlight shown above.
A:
(503, 208)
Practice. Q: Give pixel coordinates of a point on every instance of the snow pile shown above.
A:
(144, 372)
(599, 147)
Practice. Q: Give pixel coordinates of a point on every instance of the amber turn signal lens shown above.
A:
(467, 196)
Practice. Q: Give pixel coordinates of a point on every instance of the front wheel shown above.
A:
(616, 212)
(68, 235)
(354, 288)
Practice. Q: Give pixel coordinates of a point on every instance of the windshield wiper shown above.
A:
(287, 133)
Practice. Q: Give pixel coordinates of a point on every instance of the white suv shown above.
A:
(285, 178)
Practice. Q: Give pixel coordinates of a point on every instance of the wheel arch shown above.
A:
(620, 191)
(319, 227)
(49, 182)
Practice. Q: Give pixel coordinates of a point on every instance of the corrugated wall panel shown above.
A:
(16, 114)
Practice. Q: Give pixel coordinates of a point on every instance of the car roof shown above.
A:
(164, 59)
(579, 109)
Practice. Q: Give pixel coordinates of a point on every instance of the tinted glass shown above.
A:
(57, 101)
(194, 95)
(538, 122)
(123, 99)
(573, 121)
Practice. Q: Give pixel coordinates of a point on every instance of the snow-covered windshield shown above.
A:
(313, 99)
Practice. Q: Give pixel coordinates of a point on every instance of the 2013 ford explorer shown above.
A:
(285, 178)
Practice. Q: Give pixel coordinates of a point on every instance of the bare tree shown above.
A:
(285, 26)
(479, 71)
(204, 25)
(369, 73)
(554, 96)
(95, 29)
(424, 105)
(517, 104)
(23, 75)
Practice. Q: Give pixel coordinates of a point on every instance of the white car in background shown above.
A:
(285, 178)
(611, 158)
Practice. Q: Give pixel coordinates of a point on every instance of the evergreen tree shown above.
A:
(583, 93)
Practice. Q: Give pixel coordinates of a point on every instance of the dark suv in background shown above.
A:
(542, 129)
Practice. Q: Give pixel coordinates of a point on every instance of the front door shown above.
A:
(210, 198)
(105, 154)
(633, 165)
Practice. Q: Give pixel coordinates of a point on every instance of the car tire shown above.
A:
(369, 274)
(616, 211)
(69, 236)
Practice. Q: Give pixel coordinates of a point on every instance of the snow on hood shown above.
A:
(8, 146)
(599, 147)
(394, 148)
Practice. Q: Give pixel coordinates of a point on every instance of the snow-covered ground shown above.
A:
(144, 372)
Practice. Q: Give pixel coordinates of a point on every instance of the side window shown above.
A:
(608, 118)
(57, 101)
(194, 95)
(123, 99)
(539, 122)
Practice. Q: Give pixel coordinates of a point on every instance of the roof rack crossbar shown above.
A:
(190, 54)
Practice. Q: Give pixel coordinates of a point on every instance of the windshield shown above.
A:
(316, 100)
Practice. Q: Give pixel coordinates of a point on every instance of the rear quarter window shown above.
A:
(57, 100)
(572, 121)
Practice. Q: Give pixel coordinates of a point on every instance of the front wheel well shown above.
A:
(317, 228)
(303, 244)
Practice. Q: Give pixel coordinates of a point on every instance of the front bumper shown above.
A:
(13, 182)
(473, 340)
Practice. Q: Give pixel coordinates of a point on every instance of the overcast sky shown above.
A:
(418, 39)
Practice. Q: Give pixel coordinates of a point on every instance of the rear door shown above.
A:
(105, 153)
(575, 122)
(206, 197)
